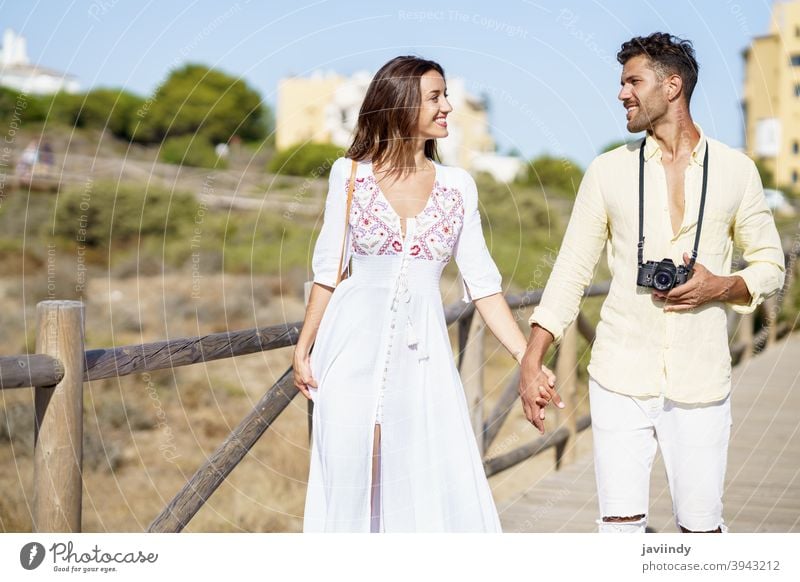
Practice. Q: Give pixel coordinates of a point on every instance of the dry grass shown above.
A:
(145, 435)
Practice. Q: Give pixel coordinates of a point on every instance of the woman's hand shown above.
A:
(302, 373)
(536, 390)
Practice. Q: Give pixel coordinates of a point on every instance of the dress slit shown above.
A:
(376, 505)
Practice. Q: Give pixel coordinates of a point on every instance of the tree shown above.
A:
(122, 214)
(16, 107)
(195, 98)
(554, 173)
(190, 150)
(115, 109)
(613, 145)
(312, 160)
(62, 107)
(767, 176)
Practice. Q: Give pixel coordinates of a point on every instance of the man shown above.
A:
(660, 366)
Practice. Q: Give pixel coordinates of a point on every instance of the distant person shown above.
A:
(27, 160)
(222, 150)
(671, 207)
(393, 448)
(46, 157)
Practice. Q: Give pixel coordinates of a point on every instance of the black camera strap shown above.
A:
(641, 206)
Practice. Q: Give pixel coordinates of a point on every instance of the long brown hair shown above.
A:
(389, 116)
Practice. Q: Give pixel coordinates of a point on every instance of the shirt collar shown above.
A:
(651, 147)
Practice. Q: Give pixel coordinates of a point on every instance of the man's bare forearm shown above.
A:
(539, 342)
(732, 289)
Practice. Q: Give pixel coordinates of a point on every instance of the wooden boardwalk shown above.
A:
(762, 491)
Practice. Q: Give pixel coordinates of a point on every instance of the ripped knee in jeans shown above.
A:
(684, 530)
(617, 519)
(618, 524)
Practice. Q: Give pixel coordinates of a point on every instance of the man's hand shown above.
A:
(536, 390)
(703, 287)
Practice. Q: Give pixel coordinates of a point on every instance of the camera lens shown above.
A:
(663, 280)
(664, 277)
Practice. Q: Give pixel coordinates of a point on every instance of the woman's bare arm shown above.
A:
(317, 303)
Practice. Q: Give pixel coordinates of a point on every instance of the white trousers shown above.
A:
(694, 445)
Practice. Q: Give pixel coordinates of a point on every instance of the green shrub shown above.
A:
(113, 109)
(197, 99)
(521, 230)
(552, 173)
(122, 214)
(190, 150)
(17, 108)
(313, 160)
(62, 108)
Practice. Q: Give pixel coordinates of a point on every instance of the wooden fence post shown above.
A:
(567, 382)
(744, 336)
(471, 369)
(771, 309)
(58, 436)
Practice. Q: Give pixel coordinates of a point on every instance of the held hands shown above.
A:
(302, 373)
(536, 390)
(701, 288)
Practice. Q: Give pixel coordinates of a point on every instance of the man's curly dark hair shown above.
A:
(668, 54)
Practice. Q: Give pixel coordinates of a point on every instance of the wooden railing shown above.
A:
(61, 366)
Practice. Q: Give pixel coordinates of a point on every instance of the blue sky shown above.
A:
(548, 67)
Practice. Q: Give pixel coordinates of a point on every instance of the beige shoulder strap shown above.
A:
(350, 188)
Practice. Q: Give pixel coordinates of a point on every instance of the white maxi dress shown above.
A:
(383, 356)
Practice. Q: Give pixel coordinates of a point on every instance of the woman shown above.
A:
(392, 446)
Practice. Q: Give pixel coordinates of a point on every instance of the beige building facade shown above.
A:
(323, 108)
(771, 95)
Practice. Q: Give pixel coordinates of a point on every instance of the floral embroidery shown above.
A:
(439, 223)
(376, 226)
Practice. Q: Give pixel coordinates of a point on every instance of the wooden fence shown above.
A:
(62, 364)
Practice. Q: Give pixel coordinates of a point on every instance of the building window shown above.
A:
(796, 60)
(795, 147)
(797, 90)
(794, 176)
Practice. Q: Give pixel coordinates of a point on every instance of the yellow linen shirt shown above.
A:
(640, 349)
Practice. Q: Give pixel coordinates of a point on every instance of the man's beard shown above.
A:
(645, 118)
(640, 122)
